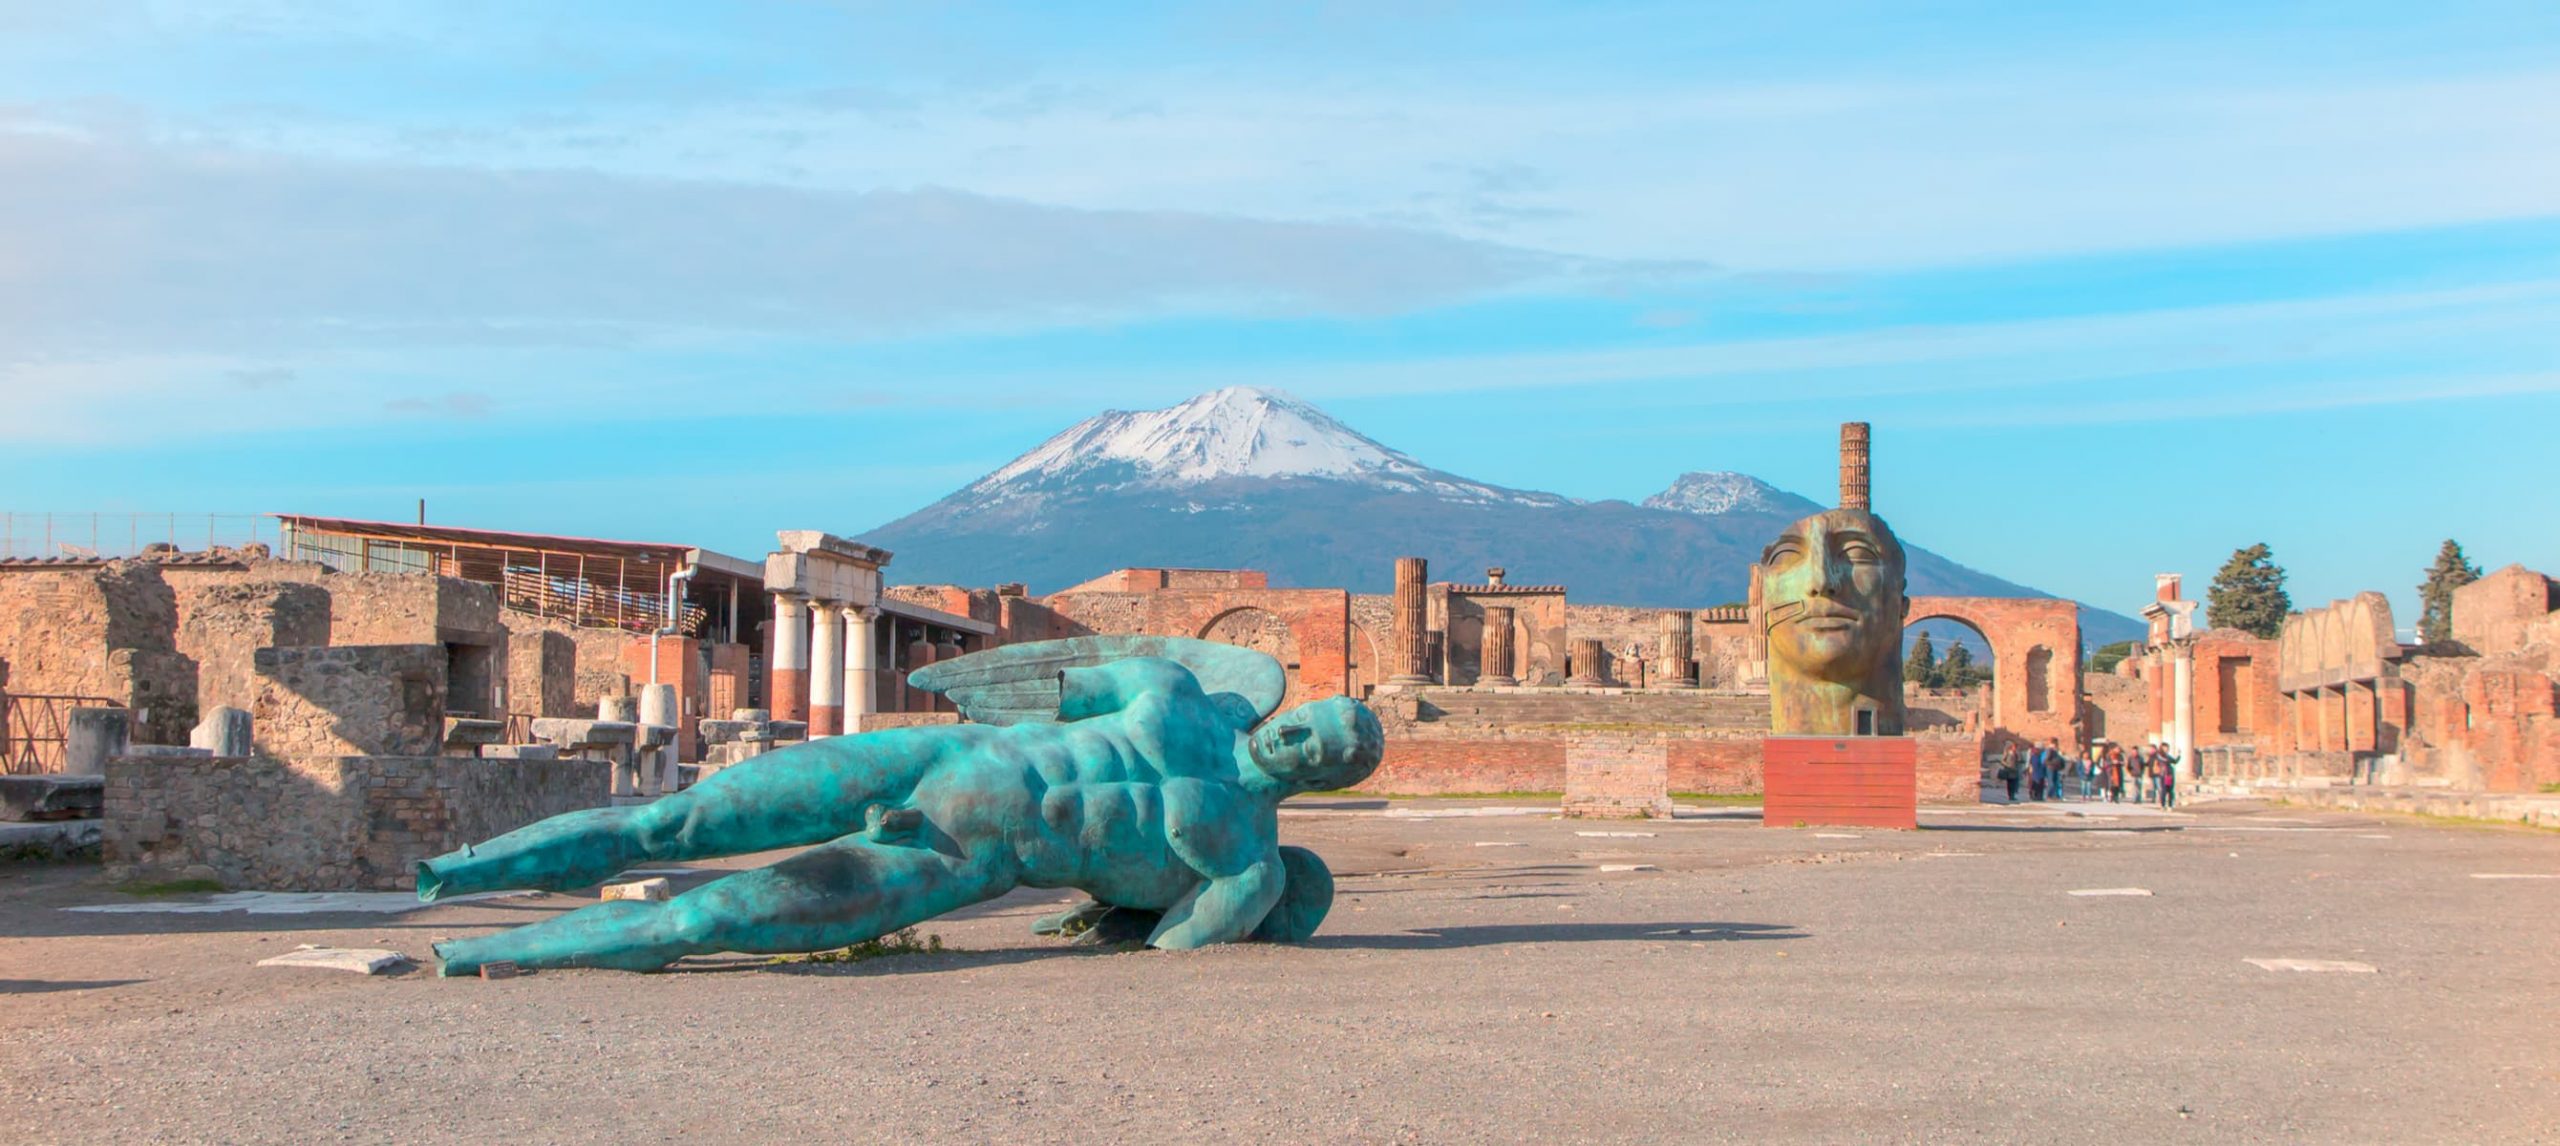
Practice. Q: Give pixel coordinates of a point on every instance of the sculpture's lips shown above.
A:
(1819, 618)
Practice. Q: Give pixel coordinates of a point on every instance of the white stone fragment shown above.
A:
(2113, 891)
(2514, 875)
(1837, 836)
(1617, 835)
(1628, 867)
(654, 890)
(2312, 965)
(1500, 844)
(361, 960)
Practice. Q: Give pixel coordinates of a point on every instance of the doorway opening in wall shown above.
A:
(1947, 677)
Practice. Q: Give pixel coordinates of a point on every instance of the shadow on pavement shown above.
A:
(42, 986)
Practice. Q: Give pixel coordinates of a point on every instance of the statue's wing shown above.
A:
(1018, 684)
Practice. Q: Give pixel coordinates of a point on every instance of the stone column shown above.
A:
(226, 731)
(787, 678)
(1853, 465)
(1679, 650)
(658, 765)
(1587, 659)
(861, 667)
(1413, 625)
(1495, 657)
(2182, 724)
(826, 671)
(96, 735)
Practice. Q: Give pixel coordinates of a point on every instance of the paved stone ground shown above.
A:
(1763, 985)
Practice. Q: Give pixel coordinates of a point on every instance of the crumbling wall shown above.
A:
(104, 631)
(223, 622)
(348, 700)
(326, 823)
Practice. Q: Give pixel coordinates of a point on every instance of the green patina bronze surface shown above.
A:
(1831, 605)
(1130, 768)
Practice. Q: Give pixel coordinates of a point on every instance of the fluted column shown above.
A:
(861, 667)
(787, 686)
(1587, 658)
(1496, 654)
(1413, 608)
(1679, 650)
(826, 672)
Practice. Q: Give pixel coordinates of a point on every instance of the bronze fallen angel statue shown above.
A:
(1130, 768)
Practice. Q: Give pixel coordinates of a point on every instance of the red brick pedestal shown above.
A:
(1848, 781)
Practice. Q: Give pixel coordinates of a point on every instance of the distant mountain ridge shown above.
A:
(1250, 478)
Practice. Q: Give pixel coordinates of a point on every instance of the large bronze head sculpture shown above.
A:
(1831, 606)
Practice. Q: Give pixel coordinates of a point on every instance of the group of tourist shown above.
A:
(2148, 773)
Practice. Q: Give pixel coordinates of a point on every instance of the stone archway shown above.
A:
(1263, 631)
(1363, 666)
(2035, 655)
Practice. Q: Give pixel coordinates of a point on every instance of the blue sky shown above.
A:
(2121, 291)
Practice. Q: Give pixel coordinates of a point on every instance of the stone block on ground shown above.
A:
(95, 736)
(573, 733)
(789, 729)
(31, 798)
(618, 709)
(655, 890)
(717, 732)
(361, 960)
(752, 715)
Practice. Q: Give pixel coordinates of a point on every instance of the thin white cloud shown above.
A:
(140, 247)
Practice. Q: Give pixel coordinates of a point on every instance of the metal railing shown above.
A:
(55, 534)
(35, 729)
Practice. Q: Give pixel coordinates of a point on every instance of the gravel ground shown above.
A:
(1792, 985)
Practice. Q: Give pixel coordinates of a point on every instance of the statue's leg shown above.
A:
(803, 795)
(835, 894)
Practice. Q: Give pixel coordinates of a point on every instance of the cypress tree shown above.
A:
(2435, 595)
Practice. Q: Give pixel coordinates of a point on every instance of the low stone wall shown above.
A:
(1533, 760)
(876, 721)
(330, 823)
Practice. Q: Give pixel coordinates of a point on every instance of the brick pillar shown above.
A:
(787, 692)
(1588, 659)
(1679, 659)
(1496, 663)
(1853, 465)
(826, 671)
(1412, 623)
(2361, 710)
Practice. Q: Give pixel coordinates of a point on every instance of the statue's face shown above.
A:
(1331, 743)
(1831, 595)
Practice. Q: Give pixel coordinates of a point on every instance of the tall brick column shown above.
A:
(826, 671)
(1587, 659)
(1679, 650)
(1853, 465)
(1497, 647)
(1412, 622)
(787, 686)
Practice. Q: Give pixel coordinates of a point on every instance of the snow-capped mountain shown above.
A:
(1239, 432)
(1723, 491)
(1254, 479)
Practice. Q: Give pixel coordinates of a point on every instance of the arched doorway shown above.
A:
(1263, 631)
(2034, 647)
(1949, 677)
(1363, 667)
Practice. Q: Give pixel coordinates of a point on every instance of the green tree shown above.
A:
(2108, 657)
(2248, 593)
(2435, 596)
(1921, 664)
(1957, 669)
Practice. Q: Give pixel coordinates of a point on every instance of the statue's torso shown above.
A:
(1083, 804)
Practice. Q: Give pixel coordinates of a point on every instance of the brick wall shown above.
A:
(357, 823)
(223, 622)
(1950, 767)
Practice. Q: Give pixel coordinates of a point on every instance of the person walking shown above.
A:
(2009, 770)
(2168, 781)
(2035, 773)
(2113, 779)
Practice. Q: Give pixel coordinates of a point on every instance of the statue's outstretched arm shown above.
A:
(1217, 829)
